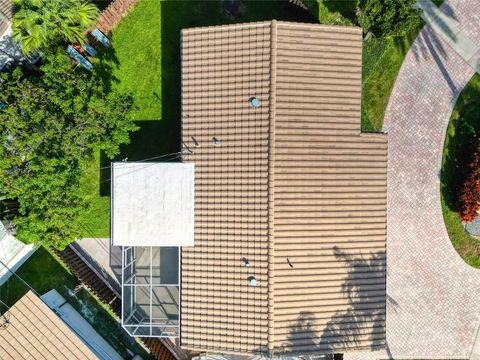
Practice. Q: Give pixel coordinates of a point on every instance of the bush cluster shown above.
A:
(388, 18)
(469, 197)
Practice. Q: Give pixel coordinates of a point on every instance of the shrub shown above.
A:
(388, 18)
(470, 190)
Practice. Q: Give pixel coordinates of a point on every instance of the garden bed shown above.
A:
(464, 123)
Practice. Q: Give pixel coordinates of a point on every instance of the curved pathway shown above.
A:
(433, 296)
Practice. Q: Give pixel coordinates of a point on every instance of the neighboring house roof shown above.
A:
(292, 186)
(34, 331)
(13, 253)
(6, 15)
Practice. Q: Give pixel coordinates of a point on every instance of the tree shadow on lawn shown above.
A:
(104, 63)
(154, 141)
(160, 137)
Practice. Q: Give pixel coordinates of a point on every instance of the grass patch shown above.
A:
(382, 60)
(43, 272)
(464, 123)
(95, 220)
(333, 12)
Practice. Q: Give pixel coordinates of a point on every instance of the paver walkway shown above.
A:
(448, 28)
(433, 296)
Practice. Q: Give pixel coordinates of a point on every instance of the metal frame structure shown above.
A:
(139, 285)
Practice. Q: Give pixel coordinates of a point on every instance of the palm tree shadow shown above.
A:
(429, 44)
(445, 9)
(360, 321)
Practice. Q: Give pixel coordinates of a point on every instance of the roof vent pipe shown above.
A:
(254, 102)
(252, 281)
(215, 141)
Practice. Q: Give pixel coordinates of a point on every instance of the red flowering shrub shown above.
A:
(470, 190)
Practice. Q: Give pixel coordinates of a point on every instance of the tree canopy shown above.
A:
(50, 127)
(388, 18)
(40, 24)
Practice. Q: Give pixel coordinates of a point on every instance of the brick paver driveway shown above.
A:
(433, 304)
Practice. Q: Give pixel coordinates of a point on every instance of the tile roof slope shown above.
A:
(6, 15)
(221, 67)
(36, 332)
(329, 196)
(320, 256)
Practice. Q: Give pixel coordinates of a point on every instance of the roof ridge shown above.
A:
(271, 186)
(316, 26)
(228, 27)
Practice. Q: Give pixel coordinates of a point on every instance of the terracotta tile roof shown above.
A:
(36, 332)
(293, 186)
(6, 15)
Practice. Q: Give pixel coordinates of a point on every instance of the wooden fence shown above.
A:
(113, 13)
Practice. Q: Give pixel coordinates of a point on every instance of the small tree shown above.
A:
(49, 129)
(388, 18)
(41, 24)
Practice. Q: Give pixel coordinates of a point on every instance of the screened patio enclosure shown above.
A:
(150, 291)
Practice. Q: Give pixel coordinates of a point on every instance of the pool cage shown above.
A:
(151, 291)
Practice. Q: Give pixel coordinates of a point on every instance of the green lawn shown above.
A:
(43, 272)
(145, 60)
(382, 60)
(333, 12)
(133, 63)
(464, 123)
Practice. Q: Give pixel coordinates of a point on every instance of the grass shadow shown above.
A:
(346, 8)
(102, 4)
(154, 141)
(104, 64)
(178, 15)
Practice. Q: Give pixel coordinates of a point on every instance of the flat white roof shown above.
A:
(152, 204)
